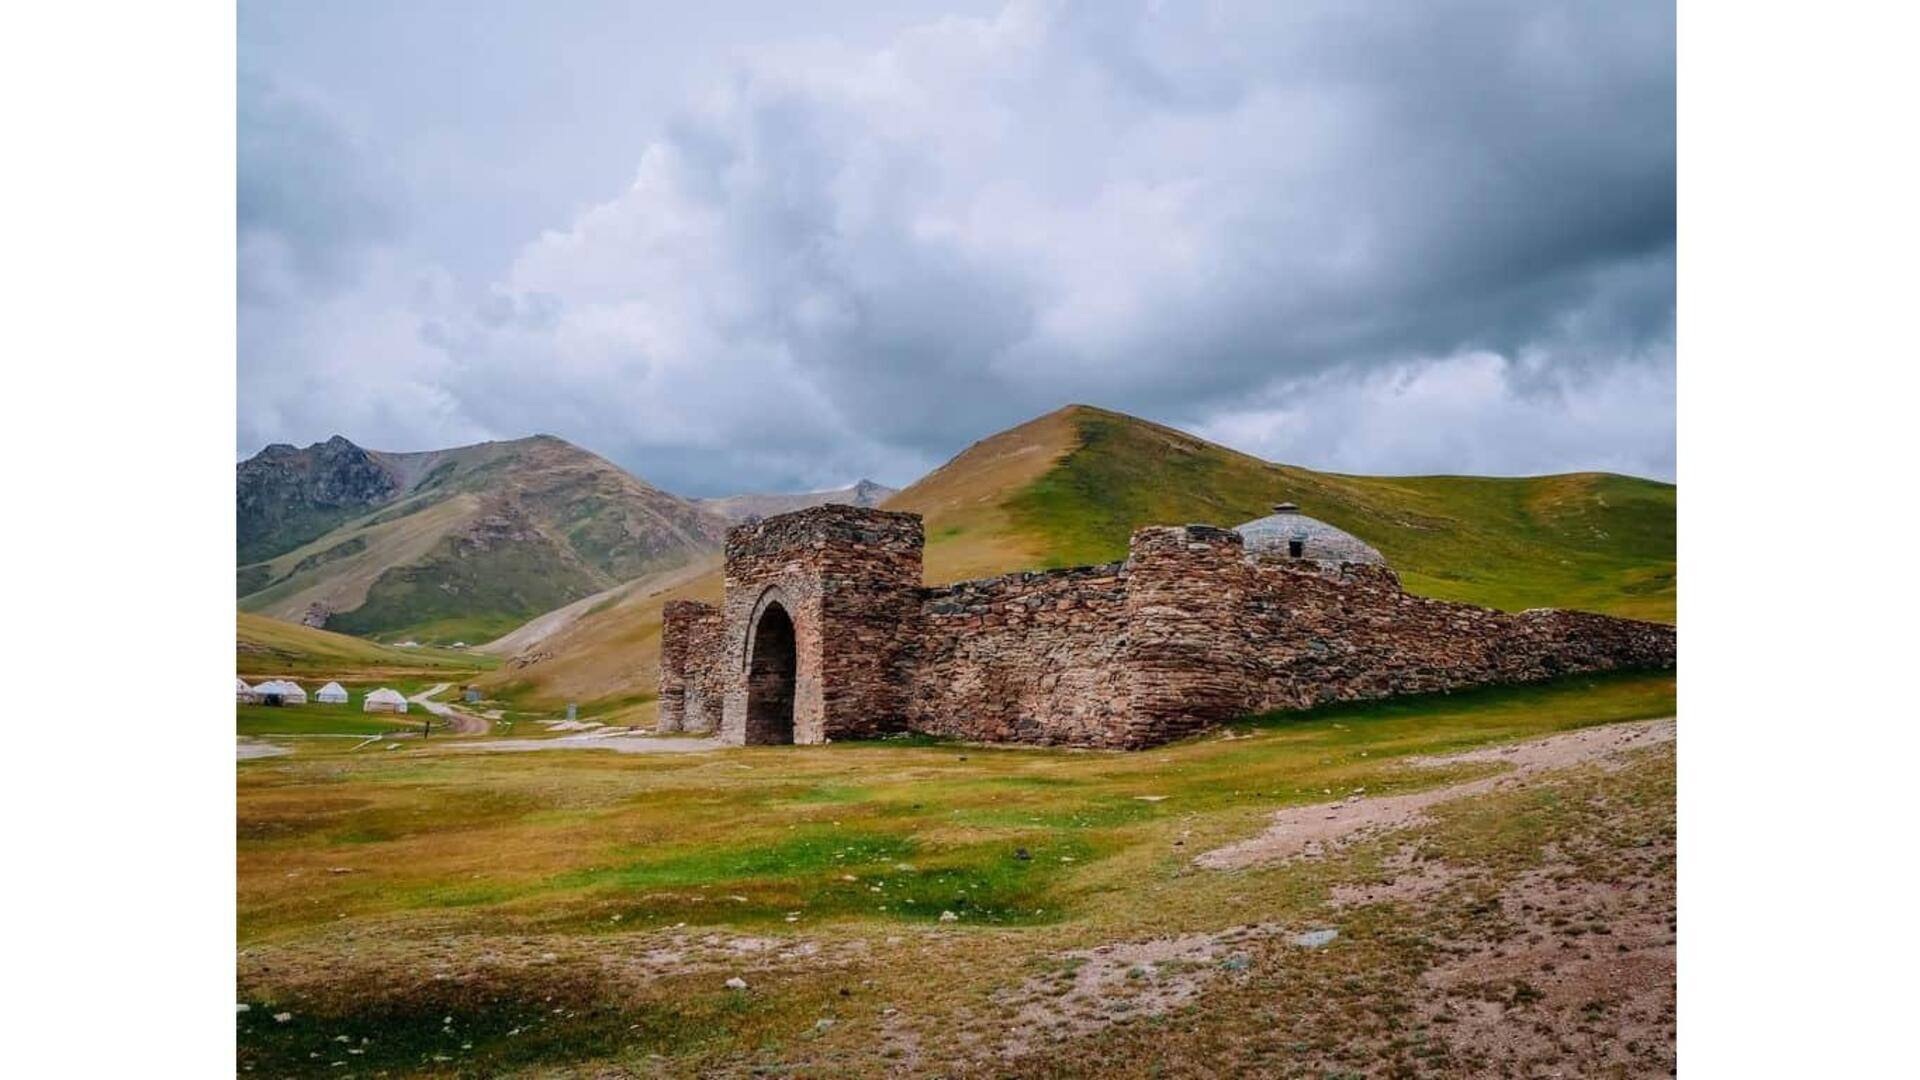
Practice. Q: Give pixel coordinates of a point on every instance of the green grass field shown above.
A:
(258, 720)
(847, 842)
(350, 718)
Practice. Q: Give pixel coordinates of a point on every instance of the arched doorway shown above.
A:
(770, 678)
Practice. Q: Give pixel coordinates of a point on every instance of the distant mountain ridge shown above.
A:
(738, 508)
(444, 545)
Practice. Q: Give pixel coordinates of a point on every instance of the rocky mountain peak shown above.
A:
(286, 496)
(867, 493)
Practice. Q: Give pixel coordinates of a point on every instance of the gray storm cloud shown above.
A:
(1399, 237)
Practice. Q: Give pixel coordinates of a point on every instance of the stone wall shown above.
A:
(1215, 635)
(1186, 633)
(690, 686)
(1023, 658)
(1361, 636)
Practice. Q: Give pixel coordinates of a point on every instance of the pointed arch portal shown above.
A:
(773, 665)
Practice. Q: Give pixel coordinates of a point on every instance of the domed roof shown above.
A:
(1319, 541)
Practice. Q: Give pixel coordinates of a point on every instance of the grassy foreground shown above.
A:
(428, 910)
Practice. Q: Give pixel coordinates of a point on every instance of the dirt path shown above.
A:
(541, 627)
(460, 723)
(1309, 830)
(248, 749)
(624, 744)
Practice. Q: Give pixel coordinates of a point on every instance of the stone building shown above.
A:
(826, 632)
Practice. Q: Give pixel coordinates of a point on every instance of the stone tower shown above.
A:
(821, 608)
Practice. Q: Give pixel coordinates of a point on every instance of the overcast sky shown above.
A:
(746, 246)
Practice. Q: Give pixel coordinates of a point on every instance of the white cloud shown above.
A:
(1243, 218)
(1473, 413)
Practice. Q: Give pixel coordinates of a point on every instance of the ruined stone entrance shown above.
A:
(771, 673)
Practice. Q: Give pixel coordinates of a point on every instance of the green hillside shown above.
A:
(1594, 541)
(265, 647)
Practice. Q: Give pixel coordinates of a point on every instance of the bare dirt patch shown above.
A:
(1311, 830)
(1525, 933)
(1409, 879)
(618, 742)
(1089, 989)
(1582, 983)
(247, 749)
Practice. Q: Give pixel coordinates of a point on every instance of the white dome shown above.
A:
(1278, 533)
(289, 692)
(384, 700)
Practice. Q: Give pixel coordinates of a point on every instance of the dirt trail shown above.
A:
(541, 627)
(1308, 830)
(619, 743)
(248, 749)
(460, 723)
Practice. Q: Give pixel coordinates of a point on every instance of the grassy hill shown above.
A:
(1594, 541)
(265, 647)
(1069, 487)
(450, 545)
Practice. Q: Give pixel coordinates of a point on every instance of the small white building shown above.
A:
(280, 692)
(242, 693)
(385, 700)
(331, 694)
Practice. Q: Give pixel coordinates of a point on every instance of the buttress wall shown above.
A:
(691, 690)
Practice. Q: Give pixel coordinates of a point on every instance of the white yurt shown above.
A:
(332, 694)
(243, 693)
(280, 692)
(385, 700)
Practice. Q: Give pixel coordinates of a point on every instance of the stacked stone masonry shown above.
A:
(1187, 633)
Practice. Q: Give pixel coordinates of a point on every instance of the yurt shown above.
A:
(242, 693)
(385, 700)
(331, 694)
(280, 692)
